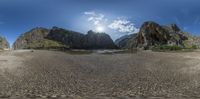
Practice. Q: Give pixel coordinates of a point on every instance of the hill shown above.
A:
(59, 38)
(152, 35)
(4, 43)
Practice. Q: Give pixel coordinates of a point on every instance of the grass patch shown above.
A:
(173, 48)
(166, 48)
(46, 44)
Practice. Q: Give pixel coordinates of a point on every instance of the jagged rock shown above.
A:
(73, 39)
(152, 34)
(4, 45)
(172, 28)
(193, 41)
(125, 41)
(94, 40)
(29, 37)
(58, 38)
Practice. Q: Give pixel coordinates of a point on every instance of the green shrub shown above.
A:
(167, 48)
(194, 47)
(46, 44)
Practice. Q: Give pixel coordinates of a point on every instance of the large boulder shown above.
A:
(4, 45)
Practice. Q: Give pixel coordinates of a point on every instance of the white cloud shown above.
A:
(89, 13)
(95, 18)
(123, 25)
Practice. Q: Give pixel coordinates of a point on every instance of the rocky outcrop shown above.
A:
(152, 34)
(77, 40)
(70, 38)
(94, 40)
(41, 38)
(4, 45)
(126, 41)
(29, 37)
(193, 41)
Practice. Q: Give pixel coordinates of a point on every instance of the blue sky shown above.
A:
(115, 17)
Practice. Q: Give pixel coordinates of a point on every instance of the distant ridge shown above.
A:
(59, 38)
(152, 34)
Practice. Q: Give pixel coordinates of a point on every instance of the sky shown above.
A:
(114, 17)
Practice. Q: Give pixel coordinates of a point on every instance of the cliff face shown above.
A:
(41, 38)
(30, 37)
(126, 41)
(4, 43)
(152, 34)
(94, 40)
(70, 38)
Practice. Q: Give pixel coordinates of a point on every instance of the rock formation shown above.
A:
(152, 34)
(125, 41)
(30, 37)
(94, 40)
(41, 38)
(69, 38)
(4, 45)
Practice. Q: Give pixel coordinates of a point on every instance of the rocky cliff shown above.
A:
(28, 38)
(69, 38)
(4, 43)
(94, 40)
(152, 34)
(41, 38)
(125, 41)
